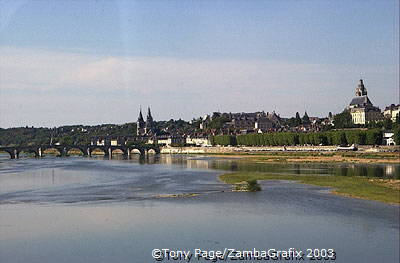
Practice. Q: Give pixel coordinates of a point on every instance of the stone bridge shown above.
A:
(38, 150)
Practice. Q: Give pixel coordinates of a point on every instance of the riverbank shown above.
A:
(294, 154)
(319, 157)
(322, 154)
(266, 149)
(383, 190)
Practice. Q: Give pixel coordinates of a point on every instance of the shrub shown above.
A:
(248, 186)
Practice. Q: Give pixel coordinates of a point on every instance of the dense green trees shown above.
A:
(218, 122)
(374, 137)
(343, 120)
(73, 134)
(224, 140)
(26, 135)
(361, 137)
(297, 120)
(397, 135)
(305, 119)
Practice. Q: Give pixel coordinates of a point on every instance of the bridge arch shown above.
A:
(135, 151)
(28, 151)
(118, 151)
(52, 149)
(97, 151)
(155, 149)
(10, 152)
(79, 149)
(151, 151)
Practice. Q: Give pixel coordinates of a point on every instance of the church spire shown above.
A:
(140, 118)
(149, 127)
(361, 90)
(149, 117)
(140, 124)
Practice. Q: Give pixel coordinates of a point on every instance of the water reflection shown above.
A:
(227, 164)
(79, 209)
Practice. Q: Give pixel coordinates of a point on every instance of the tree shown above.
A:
(396, 130)
(297, 119)
(343, 120)
(374, 137)
(397, 135)
(305, 119)
(224, 140)
(218, 122)
(66, 140)
(387, 124)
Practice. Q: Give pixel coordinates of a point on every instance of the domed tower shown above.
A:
(140, 124)
(361, 108)
(361, 90)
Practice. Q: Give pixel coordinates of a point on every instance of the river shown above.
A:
(78, 209)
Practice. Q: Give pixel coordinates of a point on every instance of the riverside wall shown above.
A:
(260, 149)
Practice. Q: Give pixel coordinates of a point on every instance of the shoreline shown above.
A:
(312, 157)
(306, 154)
(291, 157)
(374, 189)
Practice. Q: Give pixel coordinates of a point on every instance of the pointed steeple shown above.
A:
(140, 118)
(140, 125)
(149, 127)
(149, 117)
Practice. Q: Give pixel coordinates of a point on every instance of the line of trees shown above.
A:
(297, 120)
(361, 137)
(72, 134)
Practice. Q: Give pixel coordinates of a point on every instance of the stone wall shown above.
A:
(232, 150)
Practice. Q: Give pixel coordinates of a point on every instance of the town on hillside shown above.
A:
(360, 115)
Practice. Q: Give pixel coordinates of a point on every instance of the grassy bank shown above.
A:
(384, 190)
(320, 157)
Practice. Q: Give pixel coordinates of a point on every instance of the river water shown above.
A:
(79, 209)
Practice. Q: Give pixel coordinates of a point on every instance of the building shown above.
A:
(140, 124)
(149, 127)
(392, 111)
(198, 141)
(167, 140)
(244, 121)
(104, 141)
(361, 108)
(263, 124)
(145, 128)
(388, 138)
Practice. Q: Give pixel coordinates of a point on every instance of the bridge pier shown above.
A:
(84, 152)
(60, 150)
(15, 154)
(40, 152)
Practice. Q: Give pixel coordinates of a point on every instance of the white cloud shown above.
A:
(39, 80)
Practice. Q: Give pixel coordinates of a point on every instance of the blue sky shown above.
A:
(70, 62)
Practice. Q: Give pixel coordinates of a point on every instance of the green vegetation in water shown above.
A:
(176, 195)
(353, 186)
(248, 186)
(297, 155)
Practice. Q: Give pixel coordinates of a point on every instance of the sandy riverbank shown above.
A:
(321, 157)
(383, 190)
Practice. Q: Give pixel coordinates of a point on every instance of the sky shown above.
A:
(93, 62)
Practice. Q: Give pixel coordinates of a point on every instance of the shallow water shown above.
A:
(94, 210)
